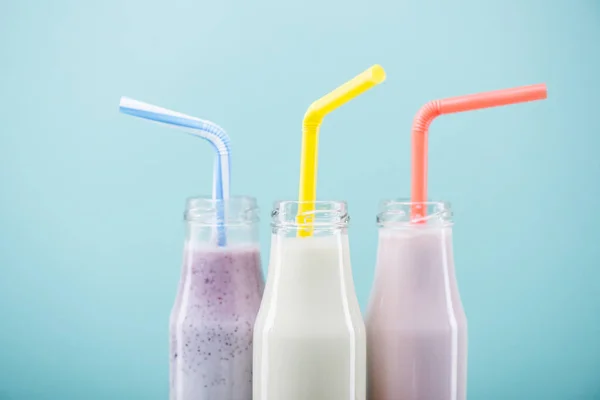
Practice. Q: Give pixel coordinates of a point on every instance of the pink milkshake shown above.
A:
(218, 298)
(416, 326)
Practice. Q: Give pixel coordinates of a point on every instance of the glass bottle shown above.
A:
(217, 301)
(416, 325)
(309, 337)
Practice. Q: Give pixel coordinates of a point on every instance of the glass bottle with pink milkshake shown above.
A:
(416, 326)
(220, 290)
(221, 282)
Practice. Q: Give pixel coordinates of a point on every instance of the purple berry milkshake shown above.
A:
(212, 323)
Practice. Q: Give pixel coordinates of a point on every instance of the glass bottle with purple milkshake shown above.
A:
(220, 290)
(416, 325)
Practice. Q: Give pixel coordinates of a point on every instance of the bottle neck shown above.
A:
(310, 243)
(415, 256)
(223, 223)
(310, 276)
(414, 249)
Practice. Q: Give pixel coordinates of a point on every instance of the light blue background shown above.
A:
(91, 201)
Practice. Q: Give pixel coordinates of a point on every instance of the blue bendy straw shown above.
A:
(213, 133)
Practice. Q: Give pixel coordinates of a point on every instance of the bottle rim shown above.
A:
(397, 213)
(323, 214)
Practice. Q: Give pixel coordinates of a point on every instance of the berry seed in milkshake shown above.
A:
(212, 323)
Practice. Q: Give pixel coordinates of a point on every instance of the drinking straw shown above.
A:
(310, 138)
(207, 130)
(431, 110)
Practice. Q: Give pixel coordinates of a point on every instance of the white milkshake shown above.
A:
(309, 337)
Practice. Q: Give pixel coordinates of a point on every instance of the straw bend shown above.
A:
(426, 115)
(317, 111)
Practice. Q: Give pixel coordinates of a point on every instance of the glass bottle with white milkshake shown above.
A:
(309, 336)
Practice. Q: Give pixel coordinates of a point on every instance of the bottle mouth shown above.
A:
(237, 210)
(398, 213)
(310, 214)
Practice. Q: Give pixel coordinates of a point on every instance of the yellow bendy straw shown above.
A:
(310, 139)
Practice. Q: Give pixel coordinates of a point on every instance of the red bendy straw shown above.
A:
(434, 108)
